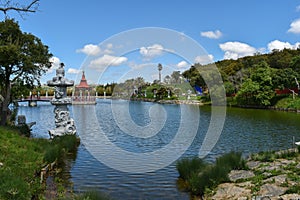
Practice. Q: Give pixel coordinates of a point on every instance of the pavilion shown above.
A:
(83, 94)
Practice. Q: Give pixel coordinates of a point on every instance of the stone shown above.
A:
(271, 190)
(278, 180)
(64, 124)
(253, 164)
(290, 196)
(235, 175)
(231, 191)
(1, 164)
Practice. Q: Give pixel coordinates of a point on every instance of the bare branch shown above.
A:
(9, 6)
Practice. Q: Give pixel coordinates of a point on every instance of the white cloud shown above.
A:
(276, 44)
(107, 60)
(90, 50)
(204, 59)
(73, 71)
(235, 50)
(298, 8)
(182, 64)
(212, 34)
(295, 27)
(152, 51)
(55, 64)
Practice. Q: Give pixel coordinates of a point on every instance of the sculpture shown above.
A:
(64, 124)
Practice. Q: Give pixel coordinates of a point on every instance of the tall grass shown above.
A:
(201, 176)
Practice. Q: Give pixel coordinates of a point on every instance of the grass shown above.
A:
(201, 176)
(270, 156)
(22, 158)
(289, 102)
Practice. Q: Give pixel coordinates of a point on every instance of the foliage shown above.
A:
(23, 59)
(289, 102)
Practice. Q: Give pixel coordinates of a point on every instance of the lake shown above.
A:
(119, 157)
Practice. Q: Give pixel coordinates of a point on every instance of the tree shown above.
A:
(23, 57)
(9, 5)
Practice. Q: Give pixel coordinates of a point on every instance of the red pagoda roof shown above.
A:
(83, 82)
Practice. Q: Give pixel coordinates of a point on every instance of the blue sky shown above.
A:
(76, 31)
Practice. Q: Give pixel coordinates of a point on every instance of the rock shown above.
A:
(278, 180)
(231, 191)
(298, 166)
(235, 175)
(271, 190)
(253, 164)
(1, 164)
(290, 196)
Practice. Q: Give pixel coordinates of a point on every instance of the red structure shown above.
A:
(84, 94)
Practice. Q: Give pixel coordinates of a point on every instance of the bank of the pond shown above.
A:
(24, 163)
(266, 175)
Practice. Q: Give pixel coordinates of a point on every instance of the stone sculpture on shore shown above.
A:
(63, 122)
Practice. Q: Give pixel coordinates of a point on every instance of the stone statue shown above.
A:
(63, 122)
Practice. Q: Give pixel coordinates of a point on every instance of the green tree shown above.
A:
(23, 57)
(259, 88)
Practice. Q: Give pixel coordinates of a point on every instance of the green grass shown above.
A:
(22, 158)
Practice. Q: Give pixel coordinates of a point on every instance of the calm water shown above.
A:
(244, 130)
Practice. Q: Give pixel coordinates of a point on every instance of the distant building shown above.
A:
(84, 94)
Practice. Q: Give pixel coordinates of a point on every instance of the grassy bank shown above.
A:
(22, 158)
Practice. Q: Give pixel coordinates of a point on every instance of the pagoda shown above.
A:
(83, 94)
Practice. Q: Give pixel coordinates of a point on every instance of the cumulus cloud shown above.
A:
(204, 59)
(94, 50)
(276, 44)
(295, 27)
(55, 64)
(73, 71)
(107, 60)
(90, 50)
(182, 64)
(235, 50)
(152, 51)
(212, 34)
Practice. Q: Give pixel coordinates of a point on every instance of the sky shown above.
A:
(114, 40)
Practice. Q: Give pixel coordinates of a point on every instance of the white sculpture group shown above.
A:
(64, 124)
